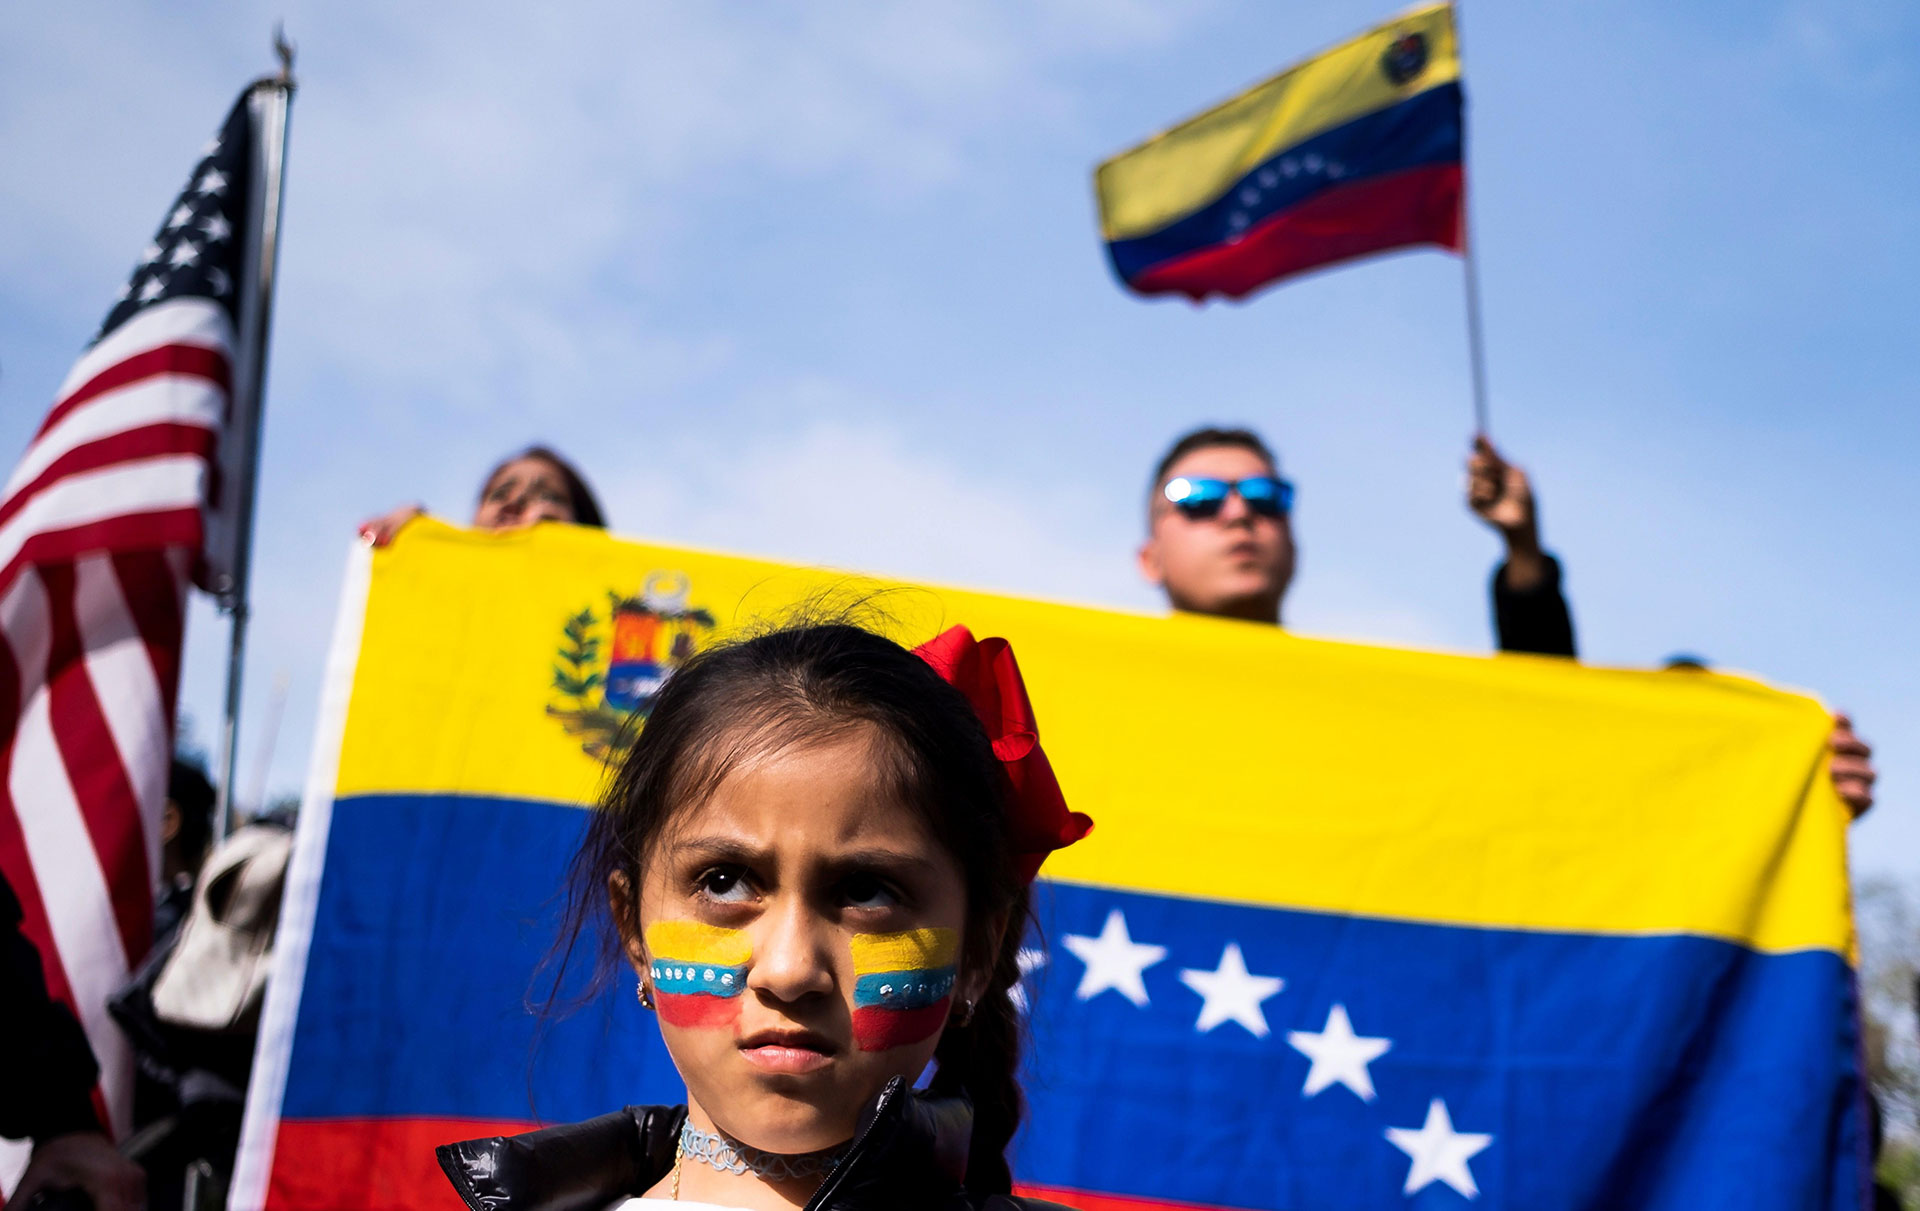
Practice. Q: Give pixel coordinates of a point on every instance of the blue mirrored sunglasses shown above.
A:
(1198, 499)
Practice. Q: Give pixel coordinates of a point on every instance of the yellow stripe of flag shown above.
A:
(1221, 760)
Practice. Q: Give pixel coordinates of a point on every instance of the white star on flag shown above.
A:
(151, 289)
(216, 227)
(1030, 962)
(183, 254)
(217, 278)
(1339, 1056)
(211, 181)
(181, 214)
(1440, 1154)
(150, 254)
(1114, 960)
(1232, 993)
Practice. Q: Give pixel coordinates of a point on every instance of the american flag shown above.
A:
(102, 526)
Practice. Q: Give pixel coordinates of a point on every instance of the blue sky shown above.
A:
(822, 282)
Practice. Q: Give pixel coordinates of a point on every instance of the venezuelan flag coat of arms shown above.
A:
(1359, 928)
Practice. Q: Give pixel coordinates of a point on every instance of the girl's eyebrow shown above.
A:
(718, 849)
(903, 863)
(892, 861)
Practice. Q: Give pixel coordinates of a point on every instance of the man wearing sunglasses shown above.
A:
(1219, 539)
(1219, 542)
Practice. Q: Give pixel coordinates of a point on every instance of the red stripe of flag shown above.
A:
(128, 445)
(371, 1165)
(153, 593)
(94, 767)
(176, 527)
(1418, 206)
(196, 361)
(1085, 1200)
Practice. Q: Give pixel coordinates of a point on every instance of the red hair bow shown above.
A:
(986, 672)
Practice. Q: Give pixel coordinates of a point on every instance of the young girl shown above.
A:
(817, 858)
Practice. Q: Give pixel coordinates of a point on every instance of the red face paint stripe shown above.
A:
(695, 1009)
(881, 1029)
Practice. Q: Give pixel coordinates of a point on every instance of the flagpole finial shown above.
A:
(284, 49)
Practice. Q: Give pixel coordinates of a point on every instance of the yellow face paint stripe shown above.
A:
(912, 950)
(697, 942)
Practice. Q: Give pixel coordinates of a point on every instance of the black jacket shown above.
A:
(48, 1090)
(908, 1155)
(1534, 621)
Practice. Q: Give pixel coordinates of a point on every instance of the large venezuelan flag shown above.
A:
(1358, 928)
(1355, 151)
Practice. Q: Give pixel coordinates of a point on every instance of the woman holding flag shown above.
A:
(816, 859)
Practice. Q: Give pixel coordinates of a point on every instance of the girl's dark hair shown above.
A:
(586, 509)
(807, 683)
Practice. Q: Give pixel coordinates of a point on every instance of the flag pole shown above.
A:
(1476, 349)
(1470, 271)
(272, 100)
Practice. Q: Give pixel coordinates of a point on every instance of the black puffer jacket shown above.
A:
(908, 1155)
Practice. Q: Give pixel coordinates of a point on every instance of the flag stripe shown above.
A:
(1082, 1200)
(124, 684)
(78, 902)
(114, 449)
(387, 1163)
(91, 499)
(156, 530)
(192, 362)
(1420, 206)
(99, 782)
(180, 321)
(154, 584)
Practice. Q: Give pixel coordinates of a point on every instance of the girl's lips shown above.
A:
(773, 1057)
(787, 1051)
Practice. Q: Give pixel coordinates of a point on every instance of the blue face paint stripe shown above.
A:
(903, 989)
(675, 978)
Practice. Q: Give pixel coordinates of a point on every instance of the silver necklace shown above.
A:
(731, 1156)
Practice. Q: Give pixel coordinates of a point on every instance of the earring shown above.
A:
(965, 1016)
(645, 995)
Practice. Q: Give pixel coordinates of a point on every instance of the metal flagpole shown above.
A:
(271, 100)
(1476, 351)
(1476, 347)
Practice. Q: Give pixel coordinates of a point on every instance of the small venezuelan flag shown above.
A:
(698, 970)
(1355, 151)
(903, 986)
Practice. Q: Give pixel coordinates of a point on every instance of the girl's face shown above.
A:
(801, 932)
(524, 491)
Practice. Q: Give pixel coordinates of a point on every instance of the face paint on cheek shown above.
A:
(903, 984)
(698, 972)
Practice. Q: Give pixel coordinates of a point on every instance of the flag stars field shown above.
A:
(1231, 993)
(1339, 1056)
(1438, 1152)
(1031, 960)
(1114, 961)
